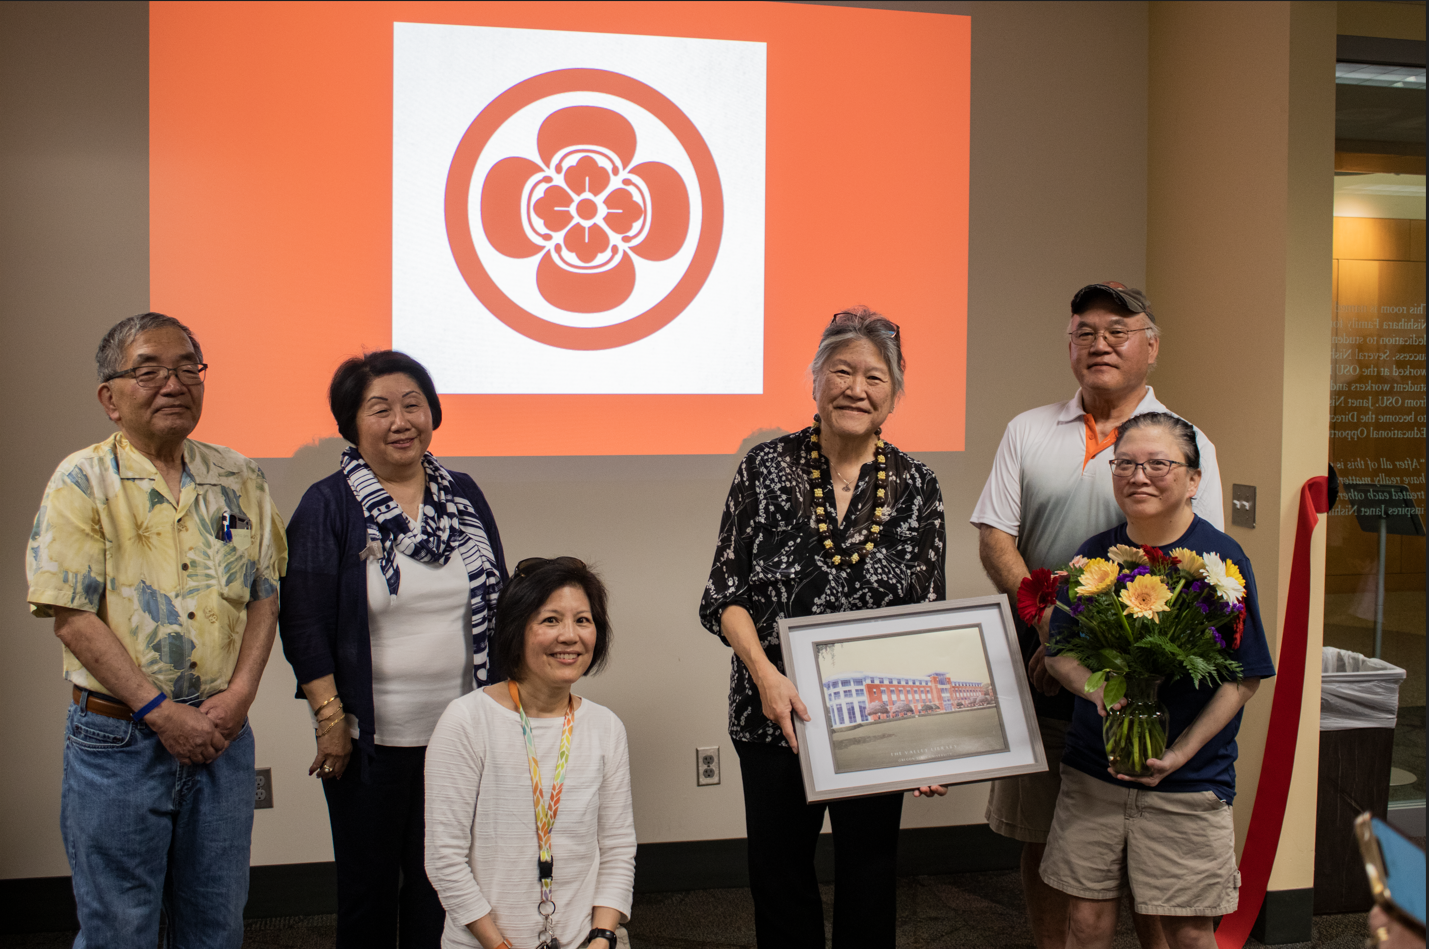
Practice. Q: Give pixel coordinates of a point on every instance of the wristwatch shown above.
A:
(606, 934)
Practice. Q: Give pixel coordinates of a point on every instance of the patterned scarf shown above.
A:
(449, 524)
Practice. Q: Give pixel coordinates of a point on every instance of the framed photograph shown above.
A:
(908, 696)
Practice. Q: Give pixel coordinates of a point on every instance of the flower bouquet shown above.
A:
(1143, 618)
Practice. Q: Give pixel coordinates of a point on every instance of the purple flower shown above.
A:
(1125, 577)
(1203, 608)
(1197, 586)
(1078, 607)
(1237, 608)
(1141, 571)
(1217, 636)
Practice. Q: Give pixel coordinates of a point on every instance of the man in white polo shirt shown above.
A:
(1050, 489)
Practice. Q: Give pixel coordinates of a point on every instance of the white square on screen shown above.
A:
(578, 212)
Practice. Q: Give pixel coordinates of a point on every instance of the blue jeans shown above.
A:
(143, 832)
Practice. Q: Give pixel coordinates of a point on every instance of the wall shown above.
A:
(1392, 20)
(1058, 200)
(1241, 251)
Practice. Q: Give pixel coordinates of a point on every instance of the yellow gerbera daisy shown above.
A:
(1145, 597)
(1125, 555)
(1234, 573)
(1097, 577)
(1191, 563)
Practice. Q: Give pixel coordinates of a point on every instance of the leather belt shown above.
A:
(101, 704)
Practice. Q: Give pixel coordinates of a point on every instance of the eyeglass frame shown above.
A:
(1106, 334)
(1145, 470)
(897, 330)
(169, 373)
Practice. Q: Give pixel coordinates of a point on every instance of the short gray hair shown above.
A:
(855, 323)
(121, 336)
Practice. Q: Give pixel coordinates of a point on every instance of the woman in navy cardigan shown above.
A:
(394, 569)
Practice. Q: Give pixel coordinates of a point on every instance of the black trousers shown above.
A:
(783, 831)
(383, 896)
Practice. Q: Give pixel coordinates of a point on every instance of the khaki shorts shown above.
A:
(1176, 849)
(1022, 807)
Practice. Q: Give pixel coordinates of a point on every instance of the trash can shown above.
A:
(1359, 704)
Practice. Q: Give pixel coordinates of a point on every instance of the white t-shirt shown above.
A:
(421, 646)
(481, 823)
(1040, 491)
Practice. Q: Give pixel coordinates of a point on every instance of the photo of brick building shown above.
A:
(864, 697)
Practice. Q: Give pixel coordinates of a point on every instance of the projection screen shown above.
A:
(606, 228)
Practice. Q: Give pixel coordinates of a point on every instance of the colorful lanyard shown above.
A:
(546, 811)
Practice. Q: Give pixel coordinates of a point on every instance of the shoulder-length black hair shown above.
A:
(533, 583)
(350, 382)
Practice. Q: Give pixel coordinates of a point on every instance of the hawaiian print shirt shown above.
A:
(171, 578)
(770, 560)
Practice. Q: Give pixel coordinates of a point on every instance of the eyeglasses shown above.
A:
(1116, 337)
(535, 563)
(1156, 469)
(156, 377)
(880, 324)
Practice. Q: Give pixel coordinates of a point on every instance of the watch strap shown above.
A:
(606, 934)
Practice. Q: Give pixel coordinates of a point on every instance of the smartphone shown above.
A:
(1395, 868)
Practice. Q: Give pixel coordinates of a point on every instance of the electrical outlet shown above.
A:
(706, 766)
(263, 789)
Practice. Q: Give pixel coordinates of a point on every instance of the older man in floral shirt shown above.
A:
(158, 558)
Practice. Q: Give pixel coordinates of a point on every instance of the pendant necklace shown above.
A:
(546, 812)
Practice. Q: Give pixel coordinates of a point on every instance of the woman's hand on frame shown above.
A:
(781, 702)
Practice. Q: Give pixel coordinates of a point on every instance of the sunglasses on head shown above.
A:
(888, 326)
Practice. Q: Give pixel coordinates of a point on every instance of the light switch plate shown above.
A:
(1243, 505)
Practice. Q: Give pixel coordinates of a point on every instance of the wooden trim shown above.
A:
(1379, 164)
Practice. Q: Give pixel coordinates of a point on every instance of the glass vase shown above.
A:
(1136, 731)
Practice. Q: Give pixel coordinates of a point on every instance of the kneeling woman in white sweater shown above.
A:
(517, 869)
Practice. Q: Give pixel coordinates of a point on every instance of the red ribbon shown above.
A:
(1271, 794)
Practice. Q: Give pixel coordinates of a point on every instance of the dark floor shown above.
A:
(955, 911)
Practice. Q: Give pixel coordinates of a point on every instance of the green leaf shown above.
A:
(1094, 681)
(1115, 690)
(1114, 660)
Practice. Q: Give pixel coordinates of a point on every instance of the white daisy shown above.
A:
(1230, 589)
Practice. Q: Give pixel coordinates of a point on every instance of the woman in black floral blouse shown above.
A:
(826, 520)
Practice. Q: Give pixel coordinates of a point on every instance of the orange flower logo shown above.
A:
(586, 209)
(581, 202)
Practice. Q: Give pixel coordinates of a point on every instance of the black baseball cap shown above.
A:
(1126, 297)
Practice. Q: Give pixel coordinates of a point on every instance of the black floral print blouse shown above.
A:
(771, 562)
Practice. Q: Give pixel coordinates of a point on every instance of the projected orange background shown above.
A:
(270, 213)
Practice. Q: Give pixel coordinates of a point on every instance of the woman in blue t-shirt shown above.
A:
(1170, 835)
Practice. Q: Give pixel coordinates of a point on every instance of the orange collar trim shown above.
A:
(1095, 447)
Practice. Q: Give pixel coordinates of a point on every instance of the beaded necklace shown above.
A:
(819, 463)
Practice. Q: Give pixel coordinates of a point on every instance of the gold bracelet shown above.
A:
(325, 704)
(331, 724)
(337, 713)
